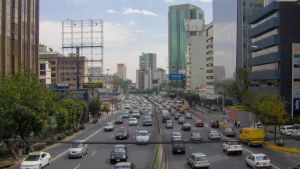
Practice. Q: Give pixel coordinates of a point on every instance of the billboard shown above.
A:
(295, 79)
(176, 77)
(191, 25)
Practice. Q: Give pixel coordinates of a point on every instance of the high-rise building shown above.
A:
(144, 79)
(230, 34)
(121, 71)
(275, 52)
(209, 69)
(19, 36)
(185, 21)
(148, 61)
(158, 77)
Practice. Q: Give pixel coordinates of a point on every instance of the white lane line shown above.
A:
(94, 153)
(63, 153)
(77, 166)
(244, 149)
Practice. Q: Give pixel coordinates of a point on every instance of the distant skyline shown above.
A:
(130, 27)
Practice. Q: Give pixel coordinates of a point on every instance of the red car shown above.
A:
(199, 123)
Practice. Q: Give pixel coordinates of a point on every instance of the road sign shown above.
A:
(176, 77)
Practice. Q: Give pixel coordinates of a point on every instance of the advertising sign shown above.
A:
(295, 79)
(176, 77)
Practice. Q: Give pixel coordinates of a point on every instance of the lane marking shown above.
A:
(77, 166)
(94, 153)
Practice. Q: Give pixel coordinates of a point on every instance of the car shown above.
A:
(121, 146)
(135, 115)
(77, 149)
(118, 154)
(133, 122)
(147, 122)
(142, 137)
(230, 147)
(121, 133)
(214, 124)
(258, 161)
(296, 134)
(287, 130)
(109, 126)
(169, 125)
(195, 136)
(188, 116)
(229, 132)
(198, 160)
(181, 120)
(124, 165)
(125, 114)
(176, 116)
(173, 112)
(36, 160)
(214, 108)
(176, 136)
(296, 167)
(199, 123)
(178, 148)
(149, 113)
(186, 127)
(214, 135)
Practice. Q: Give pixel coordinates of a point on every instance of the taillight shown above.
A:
(257, 163)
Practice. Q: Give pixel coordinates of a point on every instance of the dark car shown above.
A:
(147, 122)
(229, 132)
(178, 148)
(121, 133)
(214, 124)
(186, 127)
(124, 165)
(119, 120)
(118, 154)
(176, 117)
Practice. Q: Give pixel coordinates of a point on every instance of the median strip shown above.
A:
(284, 149)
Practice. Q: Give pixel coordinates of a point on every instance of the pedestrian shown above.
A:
(107, 111)
(238, 123)
(235, 123)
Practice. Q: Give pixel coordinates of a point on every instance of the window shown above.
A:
(42, 66)
(270, 66)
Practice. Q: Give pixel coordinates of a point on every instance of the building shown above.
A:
(275, 52)
(158, 77)
(94, 73)
(144, 79)
(230, 29)
(147, 61)
(209, 69)
(45, 72)
(185, 22)
(121, 71)
(51, 57)
(19, 36)
(67, 71)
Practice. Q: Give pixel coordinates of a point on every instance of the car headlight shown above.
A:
(124, 156)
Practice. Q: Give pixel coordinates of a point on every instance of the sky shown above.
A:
(131, 27)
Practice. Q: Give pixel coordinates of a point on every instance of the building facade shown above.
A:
(45, 72)
(158, 77)
(94, 73)
(147, 61)
(19, 36)
(209, 69)
(185, 21)
(273, 34)
(121, 71)
(144, 79)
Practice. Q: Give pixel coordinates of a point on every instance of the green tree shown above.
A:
(24, 106)
(94, 106)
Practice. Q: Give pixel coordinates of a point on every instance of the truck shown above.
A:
(252, 136)
(165, 116)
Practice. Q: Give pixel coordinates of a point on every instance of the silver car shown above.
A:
(214, 135)
(77, 149)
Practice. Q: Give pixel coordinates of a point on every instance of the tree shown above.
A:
(24, 106)
(94, 107)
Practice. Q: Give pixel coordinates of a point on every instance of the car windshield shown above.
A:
(260, 158)
(76, 145)
(142, 134)
(32, 158)
(228, 129)
(119, 150)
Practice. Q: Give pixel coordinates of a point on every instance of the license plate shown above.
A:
(178, 151)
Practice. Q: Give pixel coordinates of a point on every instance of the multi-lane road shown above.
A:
(98, 156)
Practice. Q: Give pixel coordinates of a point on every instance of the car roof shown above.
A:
(37, 153)
(123, 164)
(258, 154)
(199, 154)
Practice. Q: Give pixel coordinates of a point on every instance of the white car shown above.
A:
(36, 160)
(176, 136)
(109, 126)
(232, 147)
(78, 149)
(287, 130)
(214, 135)
(142, 137)
(132, 122)
(258, 160)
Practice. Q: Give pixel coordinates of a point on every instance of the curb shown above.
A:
(2, 166)
(284, 149)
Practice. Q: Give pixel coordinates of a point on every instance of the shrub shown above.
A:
(95, 121)
(68, 133)
(81, 127)
(75, 130)
(60, 136)
(39, 146)
(280, 144)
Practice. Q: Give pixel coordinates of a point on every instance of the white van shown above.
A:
(287, 130)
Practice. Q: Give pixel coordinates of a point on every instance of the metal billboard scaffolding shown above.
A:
(84, 38)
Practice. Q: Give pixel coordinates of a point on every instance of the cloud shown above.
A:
(129, 11)
(111, 11)
(169, 1)
(132, 22)
(50, 34)
(205, 1)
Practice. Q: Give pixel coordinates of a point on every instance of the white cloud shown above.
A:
(111, 11)
(205, 1)
(169, 1)
(129, 11)
(132, 22)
